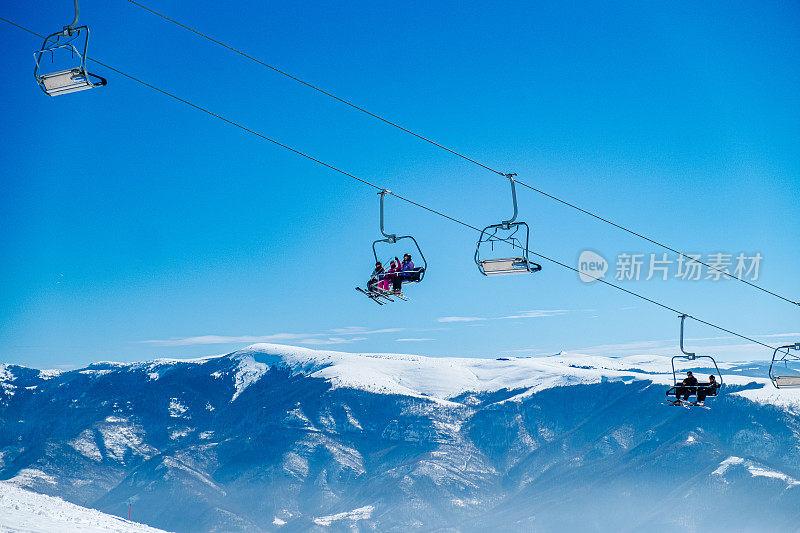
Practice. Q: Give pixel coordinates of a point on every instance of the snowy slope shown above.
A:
(22, 511)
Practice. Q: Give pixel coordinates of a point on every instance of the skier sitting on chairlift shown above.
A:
(710, 389)
(685, 388)
(407, 266)
(378, 278)
(394, 276)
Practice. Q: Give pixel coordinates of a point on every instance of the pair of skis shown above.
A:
(380, 296)
(686, 404)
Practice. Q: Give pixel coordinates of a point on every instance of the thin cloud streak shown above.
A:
(358, 330)
(222, 339)
(249, 339)
(536, 313)
(447, 319)
(341, 336)
(414, 340)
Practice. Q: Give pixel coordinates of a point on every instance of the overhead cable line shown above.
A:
(725, 274)
(398, 196)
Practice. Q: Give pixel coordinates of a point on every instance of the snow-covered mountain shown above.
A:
(23, 511)
(281, 438)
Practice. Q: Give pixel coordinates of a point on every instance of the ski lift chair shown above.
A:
(415, 275)
(75, 78)
(785, 380)
(690, 356)
(506, 232)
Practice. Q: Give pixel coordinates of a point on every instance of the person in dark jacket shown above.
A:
(377, 277)
(686, 387)
(710, 389)
(407, 266)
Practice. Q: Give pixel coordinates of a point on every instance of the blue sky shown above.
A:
(134, 227)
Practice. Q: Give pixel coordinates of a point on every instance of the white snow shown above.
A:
(85, 445)
(177, 409)
(22, 511)
(362, 513)
(754, 470)
(353, 421)
(726, 464)
(172, 463)
(93, 372)
(442, 378)
(29, 476)
(121, 437)
(179, 433)
(50, 373)
(5, 378)
(757, 471)
(248, 372)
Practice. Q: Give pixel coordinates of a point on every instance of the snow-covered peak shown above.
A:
(444, 378)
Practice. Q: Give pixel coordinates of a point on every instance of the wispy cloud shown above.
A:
(460, 319)
(223, 339)
(346, 335)
(535, 313)
(414, 340)
(311, 339)
(778, 335)
(358, 330)
(331, 340)
(538, 313)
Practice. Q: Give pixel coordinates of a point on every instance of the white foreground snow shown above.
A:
(22, 511)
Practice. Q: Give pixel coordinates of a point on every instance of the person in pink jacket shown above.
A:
(393, 276)
(384, 283)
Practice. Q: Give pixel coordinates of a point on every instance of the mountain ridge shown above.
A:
(277, 437)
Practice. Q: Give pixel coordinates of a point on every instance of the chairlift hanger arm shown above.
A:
(390, 237)
(690, 355)
(68, 30)
(507, 223)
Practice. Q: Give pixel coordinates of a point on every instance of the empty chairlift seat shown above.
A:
(67, 81)
(507, 233)
(786, 382)
(67, 46)
(784, 369)
(506, 265)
